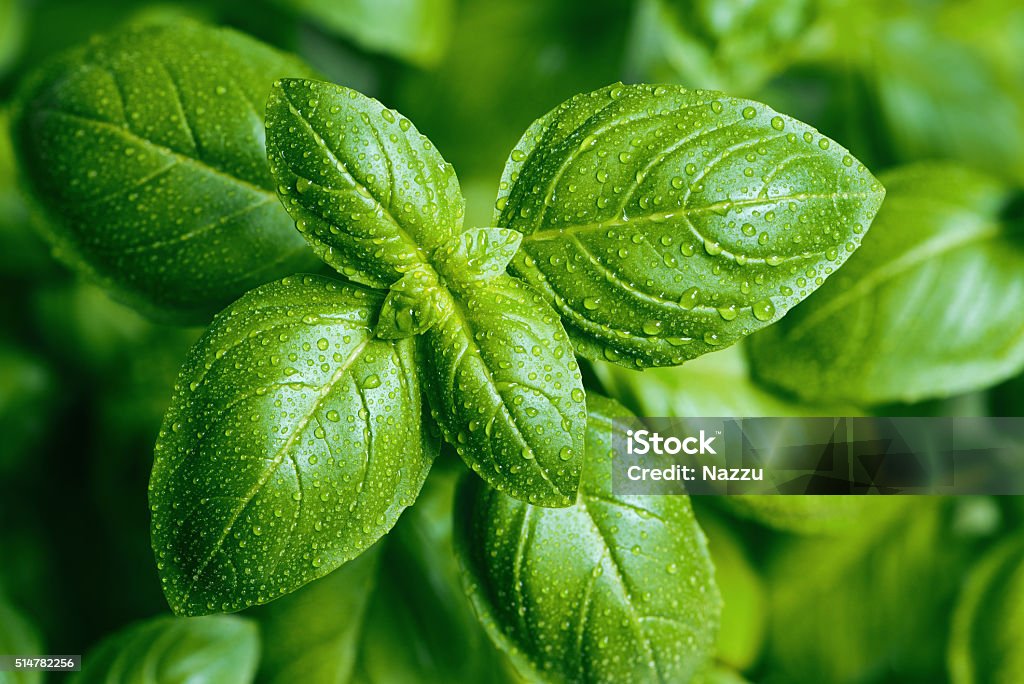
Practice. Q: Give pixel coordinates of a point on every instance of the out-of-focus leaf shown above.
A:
(720, 675)
(928, 307)
(417, 31)
(615, 588)
(146, 149)
(18, 637)
(395, 615)
(730, 45)
(744, 610)
(26, 393)
(12, 28)
(985, 641)
(716, 384)
(868, 606)
(313, 635)
(82, 326)
(222, 649)
(944, 99)
(420, 626)
(664, 223)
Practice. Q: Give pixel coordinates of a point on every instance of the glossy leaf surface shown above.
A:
(370, 193)
(663, 223)
(612, 589)
(381, 205)
(146, 149)
(292, 444)
(929, 307)
(506, 389)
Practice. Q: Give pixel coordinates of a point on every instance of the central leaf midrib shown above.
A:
(545, 233)
(458, 311)
(278, 457)
(194, 162)
(403, 234)
(877, 277)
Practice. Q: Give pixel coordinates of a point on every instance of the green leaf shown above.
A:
(929, 81)
(146, 149)
(18, 637)
(733, 45)
(222, 649)
(984, 646)
(381, 205)
(664, 223)
(416, 31)
(744, 611)
(396, 614)
(854, 608)
(482, 252)
(313, 634)
(420, 626)
(613, 589)
(370, 193)
(414, 304)
(292, 444)
(929, 307)
(506, 389)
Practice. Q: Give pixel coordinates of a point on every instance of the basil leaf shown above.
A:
(989, 618)
(927, 80)
(396, 614)
(420, 626)
(838, 607)
(482, 252)
(414, 304)
(146, 148)
(507, 392)
(313, 634)
(663, 223)
(615, 588)
(379, 203)
(735, 45)
(292, 444)
(18, 636)
(745, 611)
(170, 650)
(414, 30)
(371, 195)
(719, 384)
(929, 307)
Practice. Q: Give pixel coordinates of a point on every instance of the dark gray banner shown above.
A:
(702, 456)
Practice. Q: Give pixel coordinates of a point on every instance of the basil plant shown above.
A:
(644, 225)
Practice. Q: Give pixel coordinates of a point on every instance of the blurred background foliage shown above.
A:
(815, 590)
